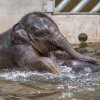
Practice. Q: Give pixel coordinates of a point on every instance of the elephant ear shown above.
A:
(19, 36)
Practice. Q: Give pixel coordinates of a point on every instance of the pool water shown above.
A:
(32, 85)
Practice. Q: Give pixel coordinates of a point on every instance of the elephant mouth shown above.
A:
(43, 49)
(42, 46)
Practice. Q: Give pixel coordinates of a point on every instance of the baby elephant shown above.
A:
(30, 41)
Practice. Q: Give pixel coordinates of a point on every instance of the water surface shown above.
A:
(32, 85)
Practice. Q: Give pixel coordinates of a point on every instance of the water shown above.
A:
(31, 85)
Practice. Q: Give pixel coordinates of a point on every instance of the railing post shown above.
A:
(96, 8)
(81, 4)
(62, 5)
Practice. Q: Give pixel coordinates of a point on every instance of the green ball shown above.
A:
(83, 37)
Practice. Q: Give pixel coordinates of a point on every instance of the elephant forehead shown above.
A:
(40, 24)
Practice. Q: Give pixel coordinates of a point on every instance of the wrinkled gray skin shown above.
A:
(81, 67)
(31, 43)
(77, 66)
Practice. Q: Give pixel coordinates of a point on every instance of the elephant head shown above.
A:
(42, 33)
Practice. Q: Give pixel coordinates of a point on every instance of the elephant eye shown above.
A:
(46, 33)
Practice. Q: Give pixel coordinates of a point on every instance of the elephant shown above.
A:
(31, 43)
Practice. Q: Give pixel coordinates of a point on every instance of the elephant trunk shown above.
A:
(62, 43)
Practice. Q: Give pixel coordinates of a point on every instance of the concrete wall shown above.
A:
(12, 10)
(70, 25)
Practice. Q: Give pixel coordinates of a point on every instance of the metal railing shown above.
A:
(81, 5)
(62, 5)
(76, 9)
(96, 8)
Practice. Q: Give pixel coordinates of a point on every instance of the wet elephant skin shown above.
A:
(30, 41)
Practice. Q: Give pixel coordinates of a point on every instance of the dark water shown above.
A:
(28, 85)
